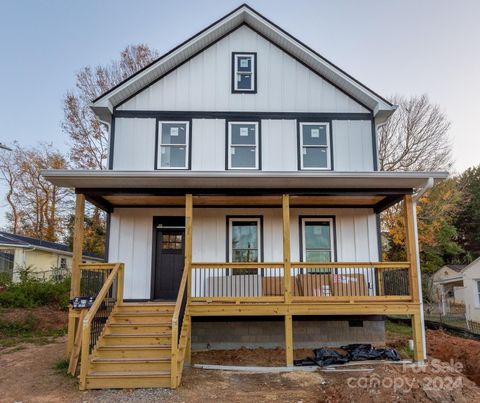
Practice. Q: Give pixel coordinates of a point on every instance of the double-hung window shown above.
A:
(315, 146)
(173, 145)
(245, 244)
(244, 72)
(243, 145)
(317, 241)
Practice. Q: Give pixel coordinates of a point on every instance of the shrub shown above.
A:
(30, 292)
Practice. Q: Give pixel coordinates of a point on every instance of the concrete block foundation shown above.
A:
(308, 332)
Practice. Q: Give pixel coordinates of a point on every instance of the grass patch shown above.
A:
(13, 332)
(399, 329)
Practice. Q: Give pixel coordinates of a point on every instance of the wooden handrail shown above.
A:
(340, 265)
(99, 266)
(237, 265)
(87, 321)
(175, 317)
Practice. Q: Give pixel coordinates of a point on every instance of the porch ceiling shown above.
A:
(214, 200)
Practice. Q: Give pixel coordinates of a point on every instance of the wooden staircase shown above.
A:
(134, 349)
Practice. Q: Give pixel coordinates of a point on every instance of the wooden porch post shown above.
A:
(188, 240)
(77, 254)
(188, 266)
(287, 277)
(414, 273)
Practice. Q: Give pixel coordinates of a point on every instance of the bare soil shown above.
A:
(46, 317)
(29, 375)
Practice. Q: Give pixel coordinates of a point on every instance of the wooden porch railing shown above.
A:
(180, 331)
(109, 295)
(310, 282)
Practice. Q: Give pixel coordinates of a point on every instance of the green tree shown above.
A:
(467, 219)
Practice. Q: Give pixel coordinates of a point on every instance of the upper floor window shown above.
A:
(243, 147)
(173, 140)
(315, 150)
(244, 74)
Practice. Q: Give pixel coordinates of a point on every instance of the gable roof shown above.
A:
(22, 241)
(456, 267)
(104, 105)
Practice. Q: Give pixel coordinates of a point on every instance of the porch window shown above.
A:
(317, 241)
(244, 72)
(244, 245)
(243, 146)
(173, 145)
(315, 146)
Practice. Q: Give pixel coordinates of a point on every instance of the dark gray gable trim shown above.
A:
(254, 91)
(241, 115)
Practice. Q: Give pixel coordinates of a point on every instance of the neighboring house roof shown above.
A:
(456, 267)
(244, 15)
(8, 239)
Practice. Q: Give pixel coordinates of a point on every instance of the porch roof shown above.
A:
(110, 189)
(109, 179)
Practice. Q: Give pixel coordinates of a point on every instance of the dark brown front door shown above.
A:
(169, 259)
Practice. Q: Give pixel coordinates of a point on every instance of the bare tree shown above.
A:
(37, 208)
(89, 137)
(415, 138)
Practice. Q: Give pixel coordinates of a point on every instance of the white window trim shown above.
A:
(328, 146)
(332, 237)
(230, 235)
(236, 72)
(230, 145)
(159, 143)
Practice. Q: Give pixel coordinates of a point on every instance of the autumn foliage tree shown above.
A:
(37, 208)
(415, 138)
(88, 136)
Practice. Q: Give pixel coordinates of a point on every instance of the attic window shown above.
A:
(244, 72)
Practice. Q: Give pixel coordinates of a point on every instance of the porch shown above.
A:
(285, 283)
(284, 288)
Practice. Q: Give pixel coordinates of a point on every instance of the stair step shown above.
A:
(135, 339)
(138, 328)
(100, 364)
(133, 379)
(135, 351)
(161, 308)
(141, 317)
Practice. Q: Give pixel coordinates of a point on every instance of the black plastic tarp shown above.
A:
(352, 352)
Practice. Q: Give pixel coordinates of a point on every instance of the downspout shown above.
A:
(416, 197)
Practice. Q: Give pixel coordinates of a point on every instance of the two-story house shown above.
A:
(243, 199)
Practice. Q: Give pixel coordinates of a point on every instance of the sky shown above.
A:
(407, 47)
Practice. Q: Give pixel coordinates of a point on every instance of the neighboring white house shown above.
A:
(459, 284)
(43, 259)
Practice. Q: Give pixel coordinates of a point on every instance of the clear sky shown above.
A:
(395, 47)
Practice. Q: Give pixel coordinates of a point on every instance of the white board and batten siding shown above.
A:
(131, 238)
(204, 83)
(134, 147)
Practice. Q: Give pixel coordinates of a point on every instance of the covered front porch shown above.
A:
(286, 284)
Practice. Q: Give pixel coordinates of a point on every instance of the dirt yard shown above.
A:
(29, 375)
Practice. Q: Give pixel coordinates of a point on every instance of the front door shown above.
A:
(168, 257)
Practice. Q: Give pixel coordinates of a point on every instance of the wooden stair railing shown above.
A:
(181, 324)
(107, 291)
